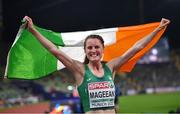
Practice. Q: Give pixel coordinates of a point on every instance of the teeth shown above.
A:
(94, 55)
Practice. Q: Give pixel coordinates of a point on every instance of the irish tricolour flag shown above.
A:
(28, 59)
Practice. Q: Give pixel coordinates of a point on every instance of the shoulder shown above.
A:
(109, 66)
(110, 69)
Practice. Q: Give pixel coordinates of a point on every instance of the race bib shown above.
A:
(101, 94)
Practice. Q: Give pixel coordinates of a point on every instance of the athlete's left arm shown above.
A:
(116, 63)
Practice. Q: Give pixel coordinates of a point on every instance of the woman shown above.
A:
(94, 78)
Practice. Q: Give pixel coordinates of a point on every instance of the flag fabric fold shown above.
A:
(28, 59)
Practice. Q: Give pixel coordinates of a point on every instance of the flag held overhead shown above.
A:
(28, 59)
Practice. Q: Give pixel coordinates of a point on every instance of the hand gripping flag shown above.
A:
(28, 59)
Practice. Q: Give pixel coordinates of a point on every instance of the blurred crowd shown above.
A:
(12, 95)
(149, 77)
(154, 77)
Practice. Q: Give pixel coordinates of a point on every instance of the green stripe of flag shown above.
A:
(28, 59)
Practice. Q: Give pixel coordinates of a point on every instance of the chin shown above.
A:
(95, 60)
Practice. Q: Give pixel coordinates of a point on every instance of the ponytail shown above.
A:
(86, 60)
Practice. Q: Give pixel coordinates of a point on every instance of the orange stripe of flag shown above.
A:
(125, 38)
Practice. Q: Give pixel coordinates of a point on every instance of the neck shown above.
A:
(95, 65)
(96, 69)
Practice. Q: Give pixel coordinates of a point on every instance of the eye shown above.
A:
(89, 47)
(96, 47)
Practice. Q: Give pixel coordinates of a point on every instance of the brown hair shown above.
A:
(86, 60)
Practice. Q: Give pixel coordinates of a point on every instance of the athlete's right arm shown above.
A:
(73, 65)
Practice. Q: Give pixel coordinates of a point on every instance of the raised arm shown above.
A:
(72, 65)
(116, 63)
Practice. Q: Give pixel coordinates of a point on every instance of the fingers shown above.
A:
(28, 23)
(26, 18)
(165, 22)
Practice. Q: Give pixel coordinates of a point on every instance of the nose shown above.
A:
(93, 49)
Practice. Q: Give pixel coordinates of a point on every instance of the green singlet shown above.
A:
(97, 93)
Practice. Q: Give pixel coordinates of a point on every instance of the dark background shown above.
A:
(75, 15)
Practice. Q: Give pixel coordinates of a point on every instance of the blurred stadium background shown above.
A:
(152, 87)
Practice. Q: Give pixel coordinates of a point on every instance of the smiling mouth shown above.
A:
(94, 55)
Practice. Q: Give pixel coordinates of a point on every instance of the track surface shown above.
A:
(33, 108)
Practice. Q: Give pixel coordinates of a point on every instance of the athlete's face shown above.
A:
(94, 49)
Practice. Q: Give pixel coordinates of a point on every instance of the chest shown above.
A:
(98, 73)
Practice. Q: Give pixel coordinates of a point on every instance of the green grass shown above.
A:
(149, 103)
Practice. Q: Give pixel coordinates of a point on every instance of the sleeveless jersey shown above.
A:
(97, 93)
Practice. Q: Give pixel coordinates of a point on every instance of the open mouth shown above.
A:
(94, 55)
